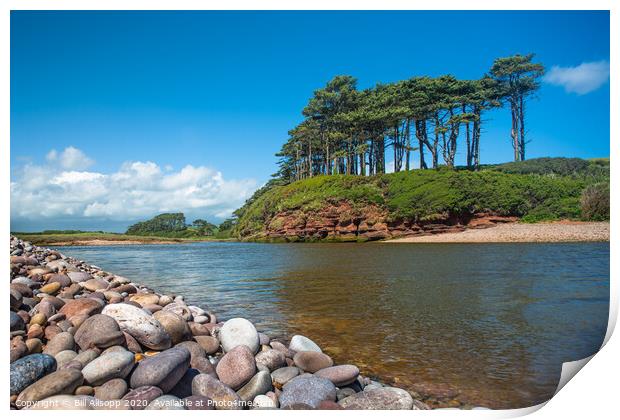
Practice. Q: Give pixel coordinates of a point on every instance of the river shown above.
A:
(491, 322)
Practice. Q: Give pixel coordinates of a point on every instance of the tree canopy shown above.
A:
(350, 131)
(173, 225)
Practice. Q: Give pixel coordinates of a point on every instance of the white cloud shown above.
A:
(70, 159)
(581, 79)
(61, 188)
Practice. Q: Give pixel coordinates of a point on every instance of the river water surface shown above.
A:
(493, 322)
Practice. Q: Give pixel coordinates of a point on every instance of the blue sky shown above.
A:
(216, 92)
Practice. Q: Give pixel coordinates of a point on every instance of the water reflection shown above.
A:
(494, 322)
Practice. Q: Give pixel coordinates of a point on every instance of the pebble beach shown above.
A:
(83, 338)
(563, 231)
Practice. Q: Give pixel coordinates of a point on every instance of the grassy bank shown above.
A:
(535, 190)
(95, 238)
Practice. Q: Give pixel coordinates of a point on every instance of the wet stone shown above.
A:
(340, 375)
(301, 343)
(312, 361)
(386, 398)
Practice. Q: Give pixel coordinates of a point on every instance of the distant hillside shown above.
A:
(354, 208)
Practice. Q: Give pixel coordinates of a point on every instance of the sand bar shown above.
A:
(564, 231)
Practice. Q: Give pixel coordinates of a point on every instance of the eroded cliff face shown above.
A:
(341, 222)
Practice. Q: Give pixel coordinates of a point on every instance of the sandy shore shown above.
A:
(564, 231)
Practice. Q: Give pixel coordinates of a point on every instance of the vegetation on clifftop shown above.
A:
(535, 190)
(361, 132)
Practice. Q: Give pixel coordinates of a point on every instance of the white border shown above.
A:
(593, 394)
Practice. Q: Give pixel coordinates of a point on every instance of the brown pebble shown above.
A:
(132, 344)
(25, 316)
(35, 331)
(18, 348)
(198, 329)
(39, 319)
(84, 390)
(34, 345)
(51, 331)
(78, 320)
(329, 405)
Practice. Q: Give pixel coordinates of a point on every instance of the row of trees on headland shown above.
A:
(351, 131)
(172, 225)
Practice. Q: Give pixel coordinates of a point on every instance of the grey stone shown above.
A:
(308, 390)
(236, 332)
(108, 366)
(163, 370)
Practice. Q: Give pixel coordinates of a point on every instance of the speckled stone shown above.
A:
(281, 376)
(29, 369)
(309, 390)
(386, 398)
(236, 367)
(223, 397)
(166, 402)
(272, 359)
(60, 382)
(140, 397)
(113, 389)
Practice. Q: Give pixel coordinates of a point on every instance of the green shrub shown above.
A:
(538, 194)
(595, 202)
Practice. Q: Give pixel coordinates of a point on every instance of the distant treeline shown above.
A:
(173, 225)
(350, 131)
(57, 232)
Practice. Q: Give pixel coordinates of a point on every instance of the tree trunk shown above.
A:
(476, 138)
(310, 159)
(514, 132)
(522, 127)
(469, 144)
(422, 136)
(408, 136)
(396, 149)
